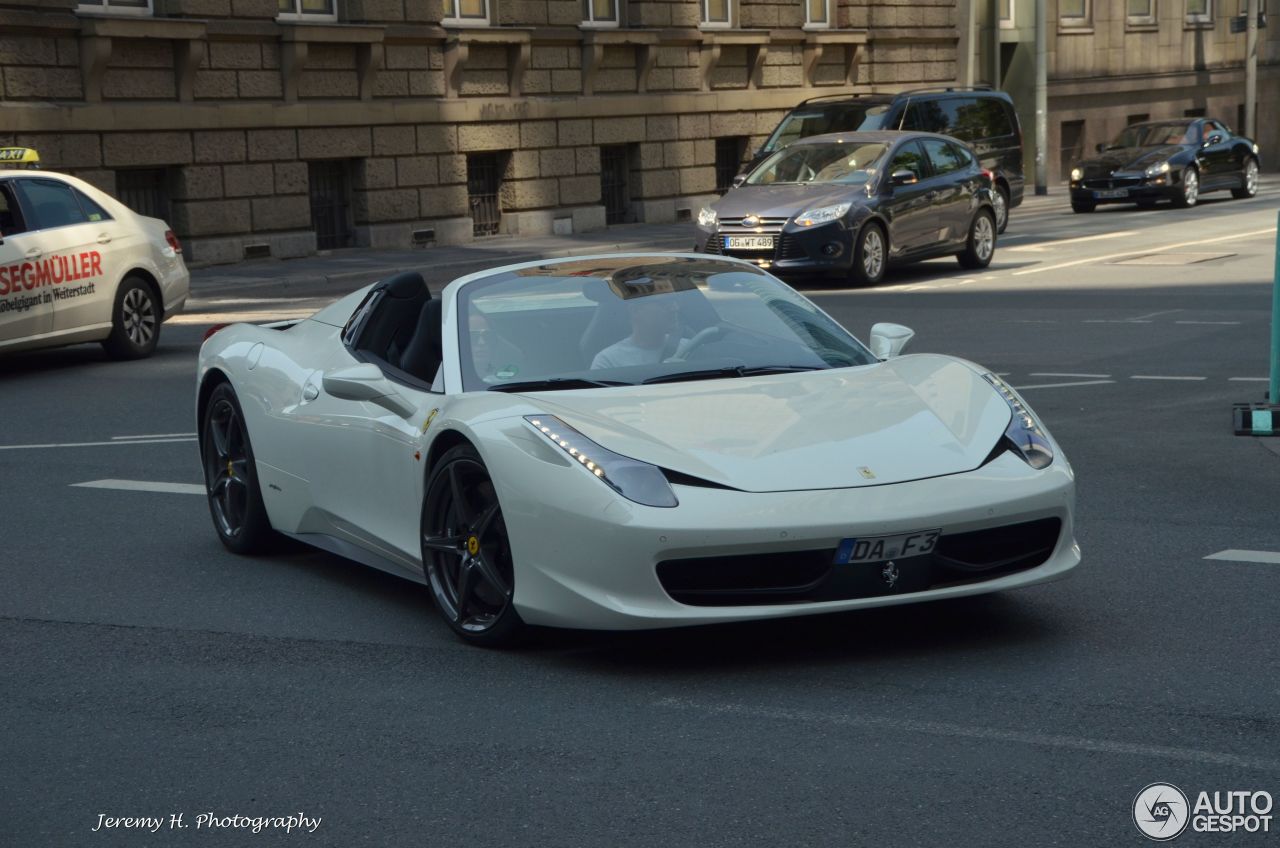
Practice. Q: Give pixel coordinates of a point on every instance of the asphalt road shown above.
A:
(144, 671)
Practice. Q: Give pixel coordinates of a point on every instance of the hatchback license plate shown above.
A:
(748, 242)
(881, 548)
(1111, 193)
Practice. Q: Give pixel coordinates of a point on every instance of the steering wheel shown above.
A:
(700, 338)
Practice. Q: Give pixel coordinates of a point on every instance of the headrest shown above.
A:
(407, 285)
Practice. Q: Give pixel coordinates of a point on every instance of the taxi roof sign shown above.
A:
(19, 157)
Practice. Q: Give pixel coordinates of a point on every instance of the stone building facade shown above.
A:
(283, 127)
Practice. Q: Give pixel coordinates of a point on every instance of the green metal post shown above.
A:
(1274, 396)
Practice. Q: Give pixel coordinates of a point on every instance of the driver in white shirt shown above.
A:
(655, 335)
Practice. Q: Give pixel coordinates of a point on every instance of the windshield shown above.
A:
(820, 163)
(634, 319)
(803, 122)
(1151, 135)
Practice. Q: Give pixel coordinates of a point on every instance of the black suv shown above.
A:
(981, 117)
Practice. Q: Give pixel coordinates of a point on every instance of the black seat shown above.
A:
(609, 323)
(425, 350)
(395, 319)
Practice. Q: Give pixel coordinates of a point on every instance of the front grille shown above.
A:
(1112, 182)
(767, 226)
(809, 576)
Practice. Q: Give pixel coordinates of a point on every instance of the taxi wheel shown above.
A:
(981, 245)
(231, 477)
(135, 321)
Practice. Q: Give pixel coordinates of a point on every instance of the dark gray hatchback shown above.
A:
(854, 203)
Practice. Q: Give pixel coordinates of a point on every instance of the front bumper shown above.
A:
(814, 250)
(1127, 190)
(588, 559)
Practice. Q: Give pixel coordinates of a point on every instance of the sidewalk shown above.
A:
(341, 271)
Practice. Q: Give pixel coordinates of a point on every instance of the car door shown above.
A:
(949, 192)
(74, 236)
(25, 311)
(906, 205)
(1220, 168)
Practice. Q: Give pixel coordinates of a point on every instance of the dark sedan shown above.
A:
(853, 204)
(1166, 160)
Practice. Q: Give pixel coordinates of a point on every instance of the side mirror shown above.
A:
(1101, 147)
(366, 383)
(903, 178)
(888, 340)
(739, 180)
(1216, 138)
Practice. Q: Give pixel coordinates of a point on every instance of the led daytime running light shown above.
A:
(1024, 432)
(634, 480)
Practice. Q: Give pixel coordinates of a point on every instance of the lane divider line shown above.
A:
(1153, 249)
(1082, 376)
(1064, 385)
(94, 444)
(150, 436)
(1232, 555)
(1154, 377)
(143, 486)
(1223, 323)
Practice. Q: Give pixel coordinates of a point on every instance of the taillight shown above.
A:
(215, 328)
(173, 241)
(991, 177)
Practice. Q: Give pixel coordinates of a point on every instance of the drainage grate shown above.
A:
(484, 179)
(1171, 258)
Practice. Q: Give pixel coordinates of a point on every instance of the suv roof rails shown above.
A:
(939, 89)
(846, 96)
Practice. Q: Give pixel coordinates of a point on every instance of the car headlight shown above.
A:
(634, 480)
(1158, 169)
(1024, 434)
(1255, 147)
(1077, 174)
(822, 215)
(707, 217)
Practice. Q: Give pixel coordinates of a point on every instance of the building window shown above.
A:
(311, 10)
(1075, 13)
(116, 7)
(600, 13)
(1199, 11)
(817, 14)
(469, 12)
(1006, 14)
(615, 188)
(484, 182)
(330, 203)
(1197, 112)
(715, 13)
(145, 191)
(729, 155)
(1140, 12)
(1142, 117)
(1072, 147)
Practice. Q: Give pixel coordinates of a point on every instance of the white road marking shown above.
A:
(151, 436)
(1064, 385)
(962, 731)
(1148, 250)
(1085, 376)
(1154, 314)
(144, 486)
(1116, 321)
(94, 444)
(1207, 322)
(1045, 245)
(1232, 555)
(1154, 377)
(1249, 379)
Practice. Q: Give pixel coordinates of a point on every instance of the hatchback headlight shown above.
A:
(822, 215)
(634, 480)
(1024, 434)
(707, 217)
(1077, 174)
(1158, 169)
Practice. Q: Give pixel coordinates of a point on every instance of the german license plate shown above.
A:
(881, 548)
(748, 242)
(1111, 193)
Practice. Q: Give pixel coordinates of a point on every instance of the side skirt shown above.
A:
(351, 551)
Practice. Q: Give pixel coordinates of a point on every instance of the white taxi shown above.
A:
(77, 265)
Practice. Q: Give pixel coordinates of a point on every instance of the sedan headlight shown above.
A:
(1077, 174)
(822, 215)
(1024, 434)
(1158, 169)
(707, 217)
(634, 480)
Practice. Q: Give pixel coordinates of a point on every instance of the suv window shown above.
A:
(804, 122)
(943, 157)
(966, 118)
(10, 214)
(50, 204)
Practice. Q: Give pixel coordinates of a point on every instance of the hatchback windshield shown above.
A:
(830, 162)
(640, 319)
(803, 123)
(1149, 135)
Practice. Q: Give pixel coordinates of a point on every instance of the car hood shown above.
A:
(783, 201)
(906, 419)
(1129, 159)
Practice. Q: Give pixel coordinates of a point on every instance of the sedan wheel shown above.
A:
(869, 256)
(1190, 189)
(1249, 180)
(465, 551)
(231, 481)
(1000, 202)
(981, 245)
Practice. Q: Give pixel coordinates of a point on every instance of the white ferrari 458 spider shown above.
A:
(628, 441)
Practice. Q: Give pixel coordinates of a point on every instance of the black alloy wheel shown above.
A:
(230, 477)
(981, 244)
(135, 321)
(466, 554)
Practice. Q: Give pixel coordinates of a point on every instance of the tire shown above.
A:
(1250, 177)
(1001, 204)
(231, 476)
(1083, 206)
(1190, 188)
(466, 554)
(870, 255)
(135, 321)
(981, 244)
